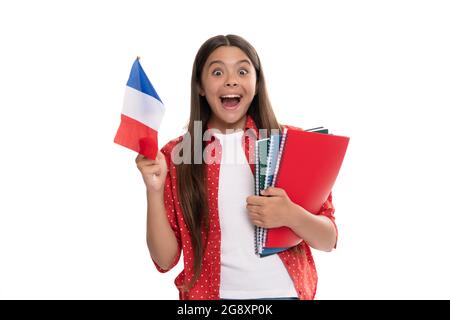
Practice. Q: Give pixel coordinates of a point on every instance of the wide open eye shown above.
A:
(243, 72)
(217, 72)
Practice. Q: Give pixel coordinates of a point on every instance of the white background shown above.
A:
(73, 209)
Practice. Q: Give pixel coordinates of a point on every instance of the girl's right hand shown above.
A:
(154, 172)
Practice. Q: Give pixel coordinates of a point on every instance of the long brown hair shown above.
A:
(191, 177)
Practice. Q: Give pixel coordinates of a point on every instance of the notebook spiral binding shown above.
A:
(256, 192)
(280, 154)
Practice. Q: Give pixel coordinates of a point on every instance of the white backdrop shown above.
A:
(73, 209)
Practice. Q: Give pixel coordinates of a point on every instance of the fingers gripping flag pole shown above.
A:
(141, 116)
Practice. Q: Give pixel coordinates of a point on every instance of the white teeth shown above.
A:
(231, 96)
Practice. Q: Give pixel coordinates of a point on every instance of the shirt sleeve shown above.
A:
(169, 204)
(327, 210)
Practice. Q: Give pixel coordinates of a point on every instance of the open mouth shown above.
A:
(230, 101)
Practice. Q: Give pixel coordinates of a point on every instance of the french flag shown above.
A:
(141, 116)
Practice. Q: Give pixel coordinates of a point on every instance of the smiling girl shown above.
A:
(206, 209)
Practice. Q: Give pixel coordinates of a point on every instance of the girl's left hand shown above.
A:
(271, 210)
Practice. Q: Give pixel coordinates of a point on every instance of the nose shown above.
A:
(231, 82)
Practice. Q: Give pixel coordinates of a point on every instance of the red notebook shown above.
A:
(309, 165)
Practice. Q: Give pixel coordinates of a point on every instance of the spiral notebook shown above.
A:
(266, 152)
(305, 164)
(261, 153)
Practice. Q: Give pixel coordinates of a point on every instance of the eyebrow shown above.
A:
(221, 62)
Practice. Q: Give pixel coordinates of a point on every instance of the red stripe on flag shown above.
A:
(137, 136)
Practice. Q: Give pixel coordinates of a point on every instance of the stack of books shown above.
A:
(303, 163)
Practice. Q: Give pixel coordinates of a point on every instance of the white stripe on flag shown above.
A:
(143, 108)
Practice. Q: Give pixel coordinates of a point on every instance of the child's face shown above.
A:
(229, 85)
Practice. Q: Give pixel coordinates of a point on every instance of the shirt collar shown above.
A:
(250, 128)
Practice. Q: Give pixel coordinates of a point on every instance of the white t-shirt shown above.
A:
(243, 274)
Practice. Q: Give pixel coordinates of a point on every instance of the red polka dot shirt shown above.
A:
(298, 260)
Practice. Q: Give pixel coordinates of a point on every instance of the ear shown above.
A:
(200, 90)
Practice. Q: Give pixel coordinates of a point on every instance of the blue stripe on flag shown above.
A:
(139, 81)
